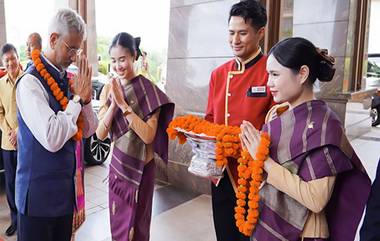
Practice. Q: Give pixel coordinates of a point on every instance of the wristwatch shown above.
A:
(127, 111)
(77, 99)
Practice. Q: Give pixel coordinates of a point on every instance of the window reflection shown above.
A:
(286, 20)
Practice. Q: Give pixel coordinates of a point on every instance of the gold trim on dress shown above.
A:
(137, 196)
(113, 208)
(131, 234)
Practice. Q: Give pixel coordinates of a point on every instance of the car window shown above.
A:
(373, 69)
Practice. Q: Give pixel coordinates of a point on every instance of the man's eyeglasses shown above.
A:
(72, 51)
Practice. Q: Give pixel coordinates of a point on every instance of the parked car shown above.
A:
(2, 71)
(375, 110)
(96, 151)
(373, 81)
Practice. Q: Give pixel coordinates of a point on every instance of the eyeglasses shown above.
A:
(72, 51)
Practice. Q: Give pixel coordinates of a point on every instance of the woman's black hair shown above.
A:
(126, 40)
(251, 11)
(296, 52)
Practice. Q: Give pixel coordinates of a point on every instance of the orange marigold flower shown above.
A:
(247, 173)
(242, 189)
(37, 61)
(239, 216)
(39, 67)
(47, 76)
(54, 86)
(218, 151)
(240, 195)
(227, 144)
(60, 96)
(56, 92)
(240, 210)
(182, 138)
(256, 198)
(229, 151)
(257, 171)
(242, 182)
(240, 203)
(253, 204)
(35, 54)
(43, 72)
(50, 81)
(64, 101)
(239, 222)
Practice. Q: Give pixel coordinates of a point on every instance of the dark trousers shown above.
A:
(223, 208)
(44, 229)
(10, 166)
(370, 230)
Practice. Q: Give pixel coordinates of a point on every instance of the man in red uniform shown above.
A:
(238, 92)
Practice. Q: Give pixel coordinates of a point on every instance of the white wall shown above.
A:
(374, 27)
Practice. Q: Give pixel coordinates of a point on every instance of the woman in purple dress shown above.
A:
(316, 187)
(136, 114)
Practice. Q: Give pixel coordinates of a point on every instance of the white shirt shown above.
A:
(51, 130)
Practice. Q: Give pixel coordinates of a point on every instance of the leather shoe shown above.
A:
(11, 230)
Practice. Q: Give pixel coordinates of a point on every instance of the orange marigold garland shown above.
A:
(250, 169)
(228, 145)
(56, 91)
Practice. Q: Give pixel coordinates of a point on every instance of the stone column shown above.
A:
(3, 32)
(91, 37)
(198, 43)
(327, 25)
(86, 8)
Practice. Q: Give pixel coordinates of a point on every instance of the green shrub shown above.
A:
(103, 67)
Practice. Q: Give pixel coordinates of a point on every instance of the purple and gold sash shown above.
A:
(309, 141)
(129, 152)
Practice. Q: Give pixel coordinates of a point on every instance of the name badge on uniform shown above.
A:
(257, 91)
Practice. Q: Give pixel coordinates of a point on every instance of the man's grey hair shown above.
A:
(67, 21)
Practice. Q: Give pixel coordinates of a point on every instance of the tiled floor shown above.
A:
(182, 216)
(364, 138)
(4, 216)
(170, 204)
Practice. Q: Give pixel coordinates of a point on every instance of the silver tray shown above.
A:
(203, 162)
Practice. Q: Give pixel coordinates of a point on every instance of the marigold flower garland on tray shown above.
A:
(56, 91)
(227, 137)
(228, 145)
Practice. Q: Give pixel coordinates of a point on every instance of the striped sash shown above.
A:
(129, 150)
(309, 141)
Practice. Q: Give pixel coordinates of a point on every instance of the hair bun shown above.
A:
(326, 64)
(138, 50)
